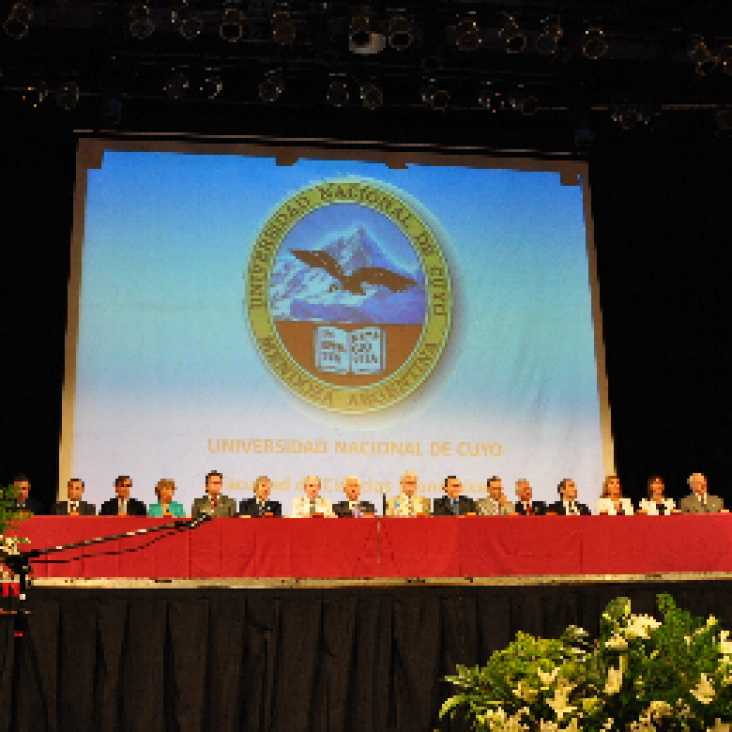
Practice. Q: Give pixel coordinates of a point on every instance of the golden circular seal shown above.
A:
(348, 295)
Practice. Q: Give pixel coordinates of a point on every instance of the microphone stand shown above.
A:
(20, 565)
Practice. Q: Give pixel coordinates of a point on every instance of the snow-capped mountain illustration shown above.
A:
(299, 291)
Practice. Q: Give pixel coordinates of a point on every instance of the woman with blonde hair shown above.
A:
(612, 502)
(166, 507)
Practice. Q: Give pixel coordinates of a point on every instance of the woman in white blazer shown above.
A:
(657, 504)
(612, 501)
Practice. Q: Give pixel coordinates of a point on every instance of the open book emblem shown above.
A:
(348, 295)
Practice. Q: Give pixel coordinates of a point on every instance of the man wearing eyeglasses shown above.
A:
(123, 505)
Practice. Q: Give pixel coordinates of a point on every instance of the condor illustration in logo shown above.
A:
(348, 295)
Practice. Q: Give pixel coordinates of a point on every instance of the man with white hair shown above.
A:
(312, 503)
(354, 507)
(407, 504)
(699, 500)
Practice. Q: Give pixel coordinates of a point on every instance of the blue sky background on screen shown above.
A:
(166, 361)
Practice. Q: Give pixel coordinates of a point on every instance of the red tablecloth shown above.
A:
(388, 547)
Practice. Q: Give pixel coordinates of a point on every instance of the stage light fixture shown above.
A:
(435, 96)
(363, 38)
(176, 85)
(547, 42)
(283, 29)
(271, 87)
(491, 100)
(468, 36)
(594, 44)
(725, 57)
(400, 32)
(141, 25)
(189, 25)
(627, 116)
(702, 57)
(338, 95)
(371, 95)
(231, 28)
(212, 85)
(512, 35)
(67, 95)
(17, 23)
(526, 104)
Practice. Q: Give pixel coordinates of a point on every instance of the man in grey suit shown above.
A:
(699, 501)
(214, 504)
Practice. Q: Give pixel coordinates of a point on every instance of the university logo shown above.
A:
(348, 295)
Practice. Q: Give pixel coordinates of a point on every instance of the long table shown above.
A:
(478, 546)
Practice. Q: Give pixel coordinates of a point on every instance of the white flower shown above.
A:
(609, 724)
(547, 679)
(616, 642)
(711, 620)
(526, 692)
(658, 709)
(704, 691)
(548, 727)
(560, 703)
(614, 681)
(719, 726)
(639, 625)
(725, 646)
(572, 726)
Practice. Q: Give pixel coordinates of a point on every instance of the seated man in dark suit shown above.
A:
(23, 501)
(260, 505)
(453, 504)
(354, 507)
(74, 506)
(525, 506)
(123, 505)
(214, 503)
(568, 506)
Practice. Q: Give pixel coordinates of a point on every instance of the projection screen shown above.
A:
(286, 310)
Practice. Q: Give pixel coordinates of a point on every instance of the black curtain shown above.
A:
(291, 660)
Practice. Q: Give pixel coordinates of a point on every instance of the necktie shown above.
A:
(354, 510)
(456, 506)
(261, 508)
(312, 507)
(214, 501)
(660, 508)
(529, 509)
(411, 507)
(572, 508)
(73, 507)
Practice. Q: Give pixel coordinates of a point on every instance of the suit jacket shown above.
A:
(558, 508)
(301, 507)
(606, 505)
(32, 505)
(691, 504)
(399, 505)
(85, 509)
(487, 507)
(225, 507)
(134, 507)
(538, 506)
(342, 509)
(250, 507)
(442, 506)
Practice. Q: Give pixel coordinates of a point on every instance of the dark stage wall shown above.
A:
(370, 660)
(662, 223)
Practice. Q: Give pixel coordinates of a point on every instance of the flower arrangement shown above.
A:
(9, 515)
(640, 674)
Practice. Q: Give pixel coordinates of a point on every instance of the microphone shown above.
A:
(201, 519)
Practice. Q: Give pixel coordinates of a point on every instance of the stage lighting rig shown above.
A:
(283, 28)
(338, 94)
(189, 25)
(271, 87)
(524, 103)
(468, 37)
(17, 23)
(491, 99)
(363, 38)
(371, 95)
(400, 32)
(512, 35)
(141, 25)
(594, 44)
(702, 57)
(212, 85)
(67, 95)
(547, 42)
(177, 85)
(433, 95)
(231, 28)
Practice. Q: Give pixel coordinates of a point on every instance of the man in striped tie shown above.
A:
(525, 506)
